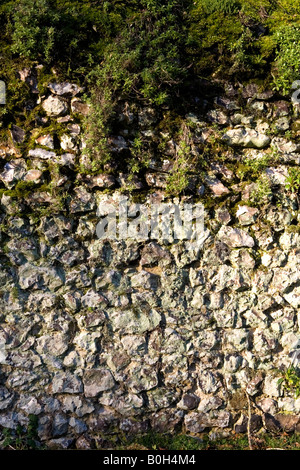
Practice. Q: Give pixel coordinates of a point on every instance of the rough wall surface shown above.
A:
(101, 336)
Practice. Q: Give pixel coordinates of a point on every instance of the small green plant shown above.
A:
(145, 63)
(22, 438)
(140, 156)
(178, 179)
(288, 57)
(252, 168)
(291, 380)
(224, 6)
(262, 192)
(293, 179)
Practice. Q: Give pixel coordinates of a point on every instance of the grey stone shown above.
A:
(79, 107)
(62, 443)
(129, 322)
(210, 403)
(42, 154)
(193, 423)
(97, 381)
(77, 425)
(247, 215)
(235, 237)
(189, 401)
(64, 88)
(237, 340)
(217, 116)
(209, 382)
(29, 405)
(45, 140)
(216, 186)
(18, 134)
(246, 137)
(65, 382)
(56, 344)
(6, 398)
(83, 201)
(54, 106)
(14, 171)
(166, 420)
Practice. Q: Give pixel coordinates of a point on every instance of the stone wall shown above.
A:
(100, 337)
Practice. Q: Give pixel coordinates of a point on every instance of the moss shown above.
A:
(293, 229)
(238, 401)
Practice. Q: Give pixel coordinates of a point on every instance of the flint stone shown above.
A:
(268, 405)
(42, 153)
(84, 443)
(157, 180)
(241, 426)
(223, 216)
(235, 238)
(68, 142)
(64, 88)
(29, 405)
(82, 201)
(97, 381)
(56, 344)
(66, 383)
(9, 420)
(193, 423)
(166, 420)
(237, 340)
(6, 398)
(78, 426)
(247, 138)
(217, 116)
(189, 401)
(75, 404)
(154, 253)
(14, 171)
(46, 140)
(100, 181)
(246, 214)
(131, 426)
(129, 181)
(129, 322)
(198, 422)
(282, 124)
(17, 134)
(208, 382)
(145, 279)
(288, 241)
(288, 423)
(271, 387)
(31, 276)
(61, 443)
(44, 429)
(142, 378)
(33, 176)
(293, 297)
(93, 299)
(277, 175)
(210, 403)
(216, 186)
(284, 146)
(55, 106)
(161, 397)
(78, 106)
